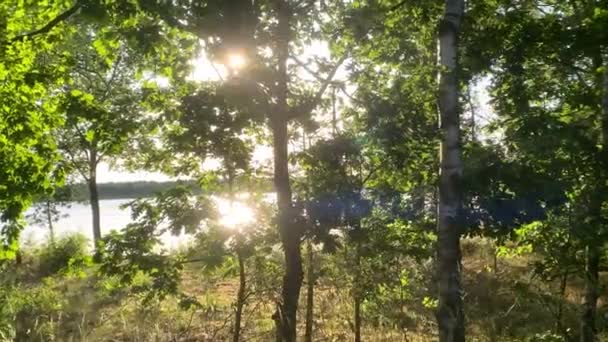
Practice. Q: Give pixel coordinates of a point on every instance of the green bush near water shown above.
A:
(69, 255)
(34, 310)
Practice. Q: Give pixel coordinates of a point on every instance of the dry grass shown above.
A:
(507, 304)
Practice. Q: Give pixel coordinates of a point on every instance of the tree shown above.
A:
(555, 123)
(249, 29)
(29, 85)
(273, 88)
(47, 210)
(450, 314)
(211, 126)
(102, 109)
(134, 250)
(232, 249)
(335, 182)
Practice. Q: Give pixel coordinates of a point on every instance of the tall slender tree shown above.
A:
(290, 234)
(450, 313)
(102, 108)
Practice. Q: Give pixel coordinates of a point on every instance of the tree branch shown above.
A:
(319, 95)
(51, 24)
(369, 175)
(109, 82)
(342, 88)
(175, 23)
(395, 7)
(307, 69)
(75, 163)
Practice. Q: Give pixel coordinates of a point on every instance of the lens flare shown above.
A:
(236, 61)
(234, 214)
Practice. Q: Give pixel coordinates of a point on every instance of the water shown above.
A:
(77, 219)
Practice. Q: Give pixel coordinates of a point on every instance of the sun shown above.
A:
(234, 214)
(236, 61)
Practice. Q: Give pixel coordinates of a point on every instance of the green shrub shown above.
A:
(30, 314)
(68, 255)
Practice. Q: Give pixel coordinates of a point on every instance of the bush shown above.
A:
(30, 314)
(68, 255)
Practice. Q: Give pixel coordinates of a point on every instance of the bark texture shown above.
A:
(450, 314)
(286, 315)
(357, 319)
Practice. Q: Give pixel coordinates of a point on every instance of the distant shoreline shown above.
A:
(139, 189)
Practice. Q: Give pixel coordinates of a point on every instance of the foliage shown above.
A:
(29, 111)
(30, 314)
(102, 103)
(84, 82)
(67, 255)
(134, 252)
(47, 210)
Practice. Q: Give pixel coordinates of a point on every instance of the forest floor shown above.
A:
(504, 304)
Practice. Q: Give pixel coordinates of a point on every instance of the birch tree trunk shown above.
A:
(450, 314)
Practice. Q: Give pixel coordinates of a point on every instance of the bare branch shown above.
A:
(76, 164)
(217, 71)
(307, 68)
(109, 82)
(319, 95)
(369, 175)
(349, 96)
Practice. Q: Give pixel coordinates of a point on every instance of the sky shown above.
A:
(206, 70)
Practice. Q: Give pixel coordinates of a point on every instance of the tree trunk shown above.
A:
(560, 308)
(450, 313)
(286, 315)
(49, 218)
(592, 258)
(357, 318)
(495, 259)
(94, 197)
(334, 116)
(240, 300)
(310, 293)
(357, 291)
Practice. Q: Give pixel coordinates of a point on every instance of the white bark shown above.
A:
(450, 315)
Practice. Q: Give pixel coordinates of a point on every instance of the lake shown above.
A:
(77, 219)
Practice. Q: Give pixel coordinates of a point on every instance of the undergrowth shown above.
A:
(56, 294)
